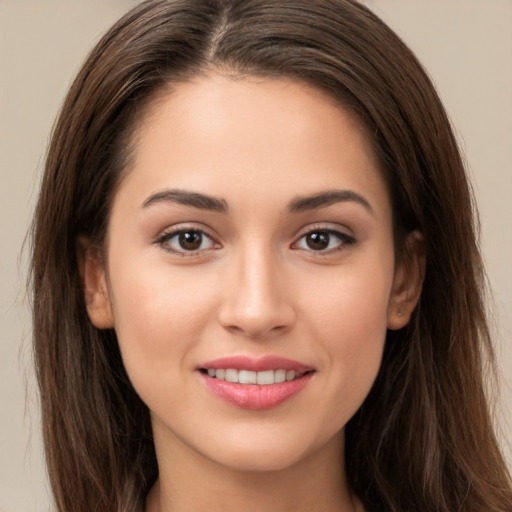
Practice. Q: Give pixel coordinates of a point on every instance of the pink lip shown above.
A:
(256, 365)
(252, 396)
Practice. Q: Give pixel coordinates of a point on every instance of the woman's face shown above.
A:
(250, 240)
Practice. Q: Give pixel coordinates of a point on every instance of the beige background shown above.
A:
(466, 45)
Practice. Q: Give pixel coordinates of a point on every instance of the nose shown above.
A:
(256, 302)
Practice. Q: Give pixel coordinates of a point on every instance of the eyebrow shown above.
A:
(327, 198)
(299, 204)
(194, 199)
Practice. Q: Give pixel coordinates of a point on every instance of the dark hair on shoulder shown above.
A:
(423, 439)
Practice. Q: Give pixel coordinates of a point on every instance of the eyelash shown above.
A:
(165, 238)
(344, 241)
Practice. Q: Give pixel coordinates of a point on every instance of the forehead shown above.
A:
(271, 134)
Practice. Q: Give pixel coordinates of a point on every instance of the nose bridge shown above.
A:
(256, 301)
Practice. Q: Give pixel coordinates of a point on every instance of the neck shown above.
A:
(188, 481)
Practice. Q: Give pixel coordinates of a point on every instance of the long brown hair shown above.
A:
(423, 439)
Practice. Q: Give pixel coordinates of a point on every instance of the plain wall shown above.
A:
(466, 45)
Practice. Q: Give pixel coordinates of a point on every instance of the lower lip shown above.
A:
(253, 396)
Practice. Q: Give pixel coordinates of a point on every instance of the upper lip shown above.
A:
(261, 364)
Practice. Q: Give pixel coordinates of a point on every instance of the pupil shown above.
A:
(318, 241)
(190, 240)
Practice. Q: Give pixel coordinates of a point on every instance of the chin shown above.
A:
(268, 452)
(259, 460)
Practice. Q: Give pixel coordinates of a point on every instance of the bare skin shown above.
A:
(292, 255)
(277, 491)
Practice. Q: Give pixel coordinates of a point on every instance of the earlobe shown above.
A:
(408, 282)
(94, 282)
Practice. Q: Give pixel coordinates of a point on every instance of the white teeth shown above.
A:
(279, 376)
(290, 375)
(231, 376)
(248, 377)
(265, 377)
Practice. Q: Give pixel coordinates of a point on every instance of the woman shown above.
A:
(256, 280)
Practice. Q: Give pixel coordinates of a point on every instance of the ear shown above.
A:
(408, 282)
(94, 282)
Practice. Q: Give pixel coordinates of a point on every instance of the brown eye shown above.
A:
(190, 240)
(324, 241)
(186, 241)
(318, 241)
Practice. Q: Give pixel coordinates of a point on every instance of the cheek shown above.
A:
(350, 304)
(351, 324)
(159, 316)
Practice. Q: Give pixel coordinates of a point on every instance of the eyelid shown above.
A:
(172, 231)
(168, 233)
(346, 239)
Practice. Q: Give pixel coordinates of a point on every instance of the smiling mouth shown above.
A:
(267, 377)
(255, 383)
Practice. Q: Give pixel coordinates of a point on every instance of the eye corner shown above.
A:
(323, 241)
(186, 241)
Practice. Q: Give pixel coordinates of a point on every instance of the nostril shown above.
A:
(255, 330)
